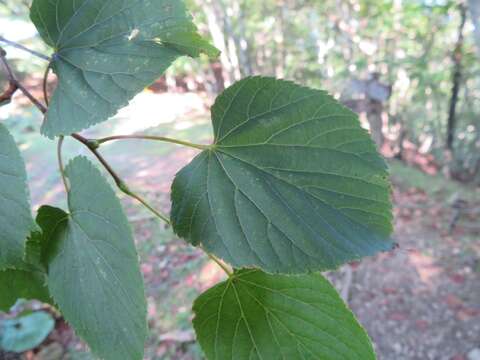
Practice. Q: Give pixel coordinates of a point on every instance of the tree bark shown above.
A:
(216, 30)
(456, 79)
(474, 7)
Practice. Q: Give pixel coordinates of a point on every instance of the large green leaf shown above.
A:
(108, 51)
(291, 184)
(22, 284)
(258, 316)
(93, 272)
(16, 220)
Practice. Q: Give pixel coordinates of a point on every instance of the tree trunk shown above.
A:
(374, 117)
(280, 48)
(456, 79)
(474, 7)
(242, 43)
(216, 30)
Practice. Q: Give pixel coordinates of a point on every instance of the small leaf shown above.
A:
(26, 332)
(108, 51)
(33, 251)
(93, 271)
(22, 284)
(254, 315)
(51, 220)
(291, 184)
(16, 220)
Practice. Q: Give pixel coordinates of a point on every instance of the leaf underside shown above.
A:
(93, 271)
(291, 184)
(108, 51)
(254, 315)
(16, 221)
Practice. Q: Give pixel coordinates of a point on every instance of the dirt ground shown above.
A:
(421, 301)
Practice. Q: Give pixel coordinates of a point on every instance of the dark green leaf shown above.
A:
(258, 316)
(40, 247)
(52, 221)
(108, 51)
(93, 272)
(26, 332)
(33, 251)
(16, 220)
(21, 284)
(291, 184)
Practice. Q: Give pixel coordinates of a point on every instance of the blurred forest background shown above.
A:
(410, 68)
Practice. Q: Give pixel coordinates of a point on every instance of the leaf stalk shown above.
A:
(60, 163)
(153, 138)
(219, 263)
(24, 48)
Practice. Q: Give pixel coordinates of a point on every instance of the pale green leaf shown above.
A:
(108, 51)
(291, 184)
(22, 284)
(26, 332)
(16, 220)
(254, 315)
(93, 270)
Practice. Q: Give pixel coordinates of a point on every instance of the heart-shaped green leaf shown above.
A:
(258, 316)
(108, 51)
(93, 270)
(22, 284)
(16, 221)
(291, 184)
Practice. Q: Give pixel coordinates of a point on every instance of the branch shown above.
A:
(24, 48)
(7, 95)
(14, 82)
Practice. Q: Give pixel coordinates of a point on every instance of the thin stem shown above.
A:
(24, 48)
(13, 80)
(60, 162)
(219, 263)
(154, 138)
(92, 146)
(147, 205)
(100, 158)
(32, 98)
(3, 56)
(45, 83)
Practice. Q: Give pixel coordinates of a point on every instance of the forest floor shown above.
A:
(421, 301)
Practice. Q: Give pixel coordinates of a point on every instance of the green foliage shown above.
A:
(25, 332)
(291, 184)
(107, 52)
(254, 315)
(94, 267)
(21, 284)
(16, 221)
